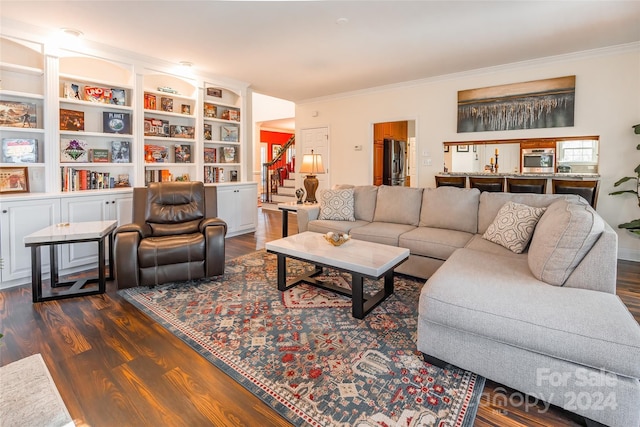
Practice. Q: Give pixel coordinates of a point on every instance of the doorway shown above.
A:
(317, 139)
(403, 130)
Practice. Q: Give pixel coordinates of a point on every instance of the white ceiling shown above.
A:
(298, 50)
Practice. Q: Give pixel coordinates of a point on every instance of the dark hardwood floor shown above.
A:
(115, 367)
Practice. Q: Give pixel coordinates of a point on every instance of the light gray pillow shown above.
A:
(451, 208)
(513, 226)
(337, 205)
(400, 205)
(565, 234)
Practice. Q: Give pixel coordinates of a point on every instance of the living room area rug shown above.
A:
(29, 397)
(303, 354)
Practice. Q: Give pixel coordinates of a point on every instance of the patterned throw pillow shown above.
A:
(337, 205)
(513, 226)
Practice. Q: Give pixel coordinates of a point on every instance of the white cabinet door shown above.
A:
(92, 208)
(237, 206)
(17, 220)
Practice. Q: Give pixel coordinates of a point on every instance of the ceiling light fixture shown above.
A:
(342, 21)
(72, 32)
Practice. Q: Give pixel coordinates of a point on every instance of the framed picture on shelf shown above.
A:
(71, 120)
(213, 91)
(462, 148)
(19, 150)
(166, 104)
(118, 97)
(116, 123)
(210, 110)
(18, 114)
(229, 133)
(185, 109)
(120, 152)
(14, 180)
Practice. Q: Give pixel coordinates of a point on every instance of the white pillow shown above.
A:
(337, 205)
(514, 226)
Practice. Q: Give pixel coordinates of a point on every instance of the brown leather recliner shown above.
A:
(175, 235)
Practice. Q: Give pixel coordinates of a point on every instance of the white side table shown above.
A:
(75, 232)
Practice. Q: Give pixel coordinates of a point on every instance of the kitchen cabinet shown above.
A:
(237, 207)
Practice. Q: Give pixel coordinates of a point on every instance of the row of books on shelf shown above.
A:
(218, 174)
(112, 122)
(162, 175)
(18, 114)
(103, 95)
(76, 151)
(160, 153)
(73, 179)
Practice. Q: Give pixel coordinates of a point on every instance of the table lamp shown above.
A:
(311, 165)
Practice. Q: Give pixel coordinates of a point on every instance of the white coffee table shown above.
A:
(75, 232)
(360, 258)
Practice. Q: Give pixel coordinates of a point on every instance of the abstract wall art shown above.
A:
(529, 105)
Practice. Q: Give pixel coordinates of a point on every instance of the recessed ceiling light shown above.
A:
(342, 21)
(186, 64)
(71, 32)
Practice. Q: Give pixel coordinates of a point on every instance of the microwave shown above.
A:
(538, 160)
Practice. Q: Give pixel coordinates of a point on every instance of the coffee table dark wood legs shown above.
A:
(361, 304)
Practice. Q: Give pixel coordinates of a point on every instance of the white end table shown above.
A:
(75, 232)
(287, 207)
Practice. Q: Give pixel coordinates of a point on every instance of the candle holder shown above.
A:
(496, 166)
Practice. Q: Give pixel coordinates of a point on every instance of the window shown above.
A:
(585, 151)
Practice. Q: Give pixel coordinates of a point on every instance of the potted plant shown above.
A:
(633, 226)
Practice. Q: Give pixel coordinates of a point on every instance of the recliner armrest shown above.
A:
(143, 231)
(207, 222)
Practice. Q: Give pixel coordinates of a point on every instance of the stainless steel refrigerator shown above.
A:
(395, 162)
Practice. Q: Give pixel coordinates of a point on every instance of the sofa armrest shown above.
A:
(143, 230)
(305, 215)
(215, 246)
(215, 222)
(598, 269)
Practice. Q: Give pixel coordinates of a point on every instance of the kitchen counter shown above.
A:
(569, 175)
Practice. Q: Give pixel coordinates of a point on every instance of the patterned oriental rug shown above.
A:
(303, 353)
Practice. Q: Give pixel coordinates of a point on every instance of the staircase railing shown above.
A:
(272, 172)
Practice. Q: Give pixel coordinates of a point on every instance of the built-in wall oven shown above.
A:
(538, 160)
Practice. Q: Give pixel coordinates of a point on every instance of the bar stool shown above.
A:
(495, 184)
(587, 189)
(527, 185)
(451, 181)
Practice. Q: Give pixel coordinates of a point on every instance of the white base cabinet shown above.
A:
(237, 206)
(17, 220)
(21, 217)
(92, 208)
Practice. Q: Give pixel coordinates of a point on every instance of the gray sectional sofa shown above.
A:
(545, 322)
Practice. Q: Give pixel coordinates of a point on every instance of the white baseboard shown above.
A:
(628, 254)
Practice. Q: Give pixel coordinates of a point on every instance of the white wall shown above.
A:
(607, 104)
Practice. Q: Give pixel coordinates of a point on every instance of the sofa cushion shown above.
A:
(400, 205)
(564, 235)
(434, 242)
(337, 205)
(381, 232)
(513, 226)
(498, 298)
(325, 225)
(477, 243)
(451, 208)
(490, 204)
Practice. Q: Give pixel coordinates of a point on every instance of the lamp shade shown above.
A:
(312, 164)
